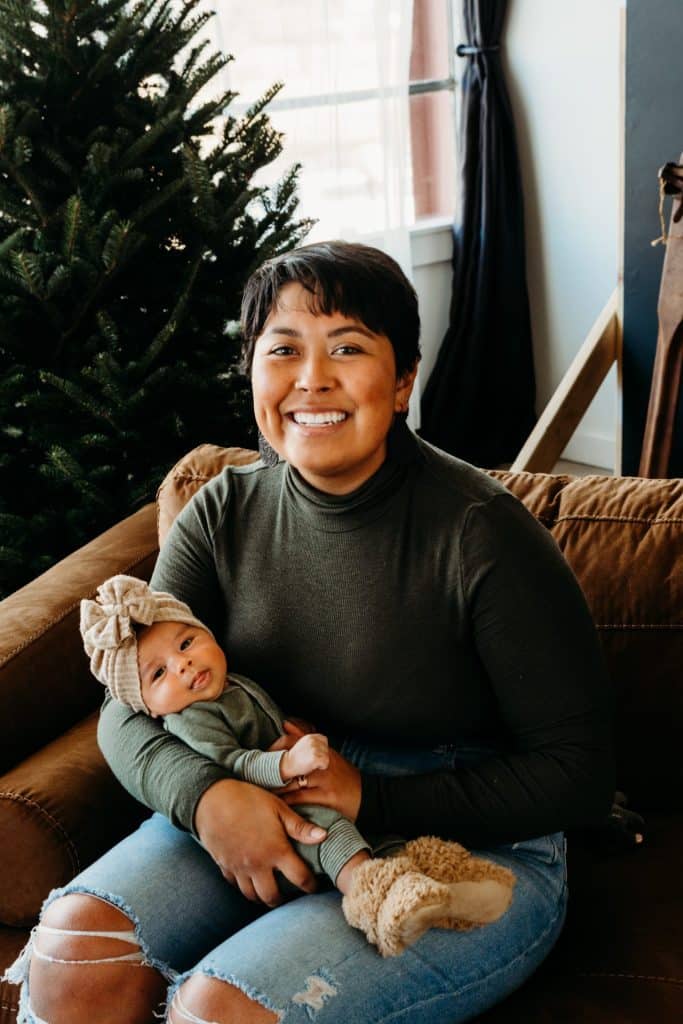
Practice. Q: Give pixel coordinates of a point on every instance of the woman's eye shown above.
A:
(346, 350)
(186, 643)
(282, 350)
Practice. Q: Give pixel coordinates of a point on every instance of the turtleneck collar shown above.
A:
(339, 513)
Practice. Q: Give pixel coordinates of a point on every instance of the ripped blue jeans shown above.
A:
(302, 960)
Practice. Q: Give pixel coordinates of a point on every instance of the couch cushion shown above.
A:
(189, 474)
(51, 819)
(12, 941)
(623, 537)
(620, 957)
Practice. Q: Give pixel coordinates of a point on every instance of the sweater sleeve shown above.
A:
(535, 638)
(203, 728)
(154, 766)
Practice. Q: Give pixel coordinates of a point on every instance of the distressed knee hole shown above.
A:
(135, 956)
(230, 997)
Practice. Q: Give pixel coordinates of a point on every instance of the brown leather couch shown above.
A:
(620, 960)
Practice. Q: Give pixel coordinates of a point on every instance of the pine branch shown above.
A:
(29, 273)
(146, 142)
(72, 223)
(77, 395)
(12, 241)
(200, 182)
(116, 46)
(171, 326)
(161, 199)
(118, 243)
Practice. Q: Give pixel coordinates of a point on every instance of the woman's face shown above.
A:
(325, 392)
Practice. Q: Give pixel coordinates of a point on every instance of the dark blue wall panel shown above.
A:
(654, 135)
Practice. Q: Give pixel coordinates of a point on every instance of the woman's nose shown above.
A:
(316, 373)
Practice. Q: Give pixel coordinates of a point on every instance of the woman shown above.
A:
(418, 614)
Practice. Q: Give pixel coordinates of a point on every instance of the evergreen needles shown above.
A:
(129, 222)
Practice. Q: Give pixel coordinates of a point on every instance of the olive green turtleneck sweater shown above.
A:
(426, 608)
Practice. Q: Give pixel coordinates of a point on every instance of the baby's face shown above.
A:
(179, 664)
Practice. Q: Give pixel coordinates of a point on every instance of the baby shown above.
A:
(156, 657)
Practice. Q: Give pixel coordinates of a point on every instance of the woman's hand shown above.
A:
(247, 831)
(339, 786)
(294, 728)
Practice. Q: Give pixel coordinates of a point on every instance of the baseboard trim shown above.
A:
(592, 450)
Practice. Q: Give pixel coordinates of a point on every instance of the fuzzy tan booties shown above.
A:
(482, 890)
(431, 883)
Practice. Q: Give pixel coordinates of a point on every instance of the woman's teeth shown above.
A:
(308, 419)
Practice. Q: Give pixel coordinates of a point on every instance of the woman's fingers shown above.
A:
(298, 726)
(248, 832)
(285, 742)
(337, 786)
(300, 829)
(247, 888)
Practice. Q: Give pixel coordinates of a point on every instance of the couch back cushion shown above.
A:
(623, 537)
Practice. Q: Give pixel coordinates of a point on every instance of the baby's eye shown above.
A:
(158, 673)
(186, 643)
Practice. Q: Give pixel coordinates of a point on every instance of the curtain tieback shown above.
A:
(467, 50)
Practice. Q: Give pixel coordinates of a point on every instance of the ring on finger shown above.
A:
(302, 780)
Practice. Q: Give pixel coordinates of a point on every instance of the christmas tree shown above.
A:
(129, 223)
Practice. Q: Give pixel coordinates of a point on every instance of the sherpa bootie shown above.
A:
(481, 890)
(393, 904)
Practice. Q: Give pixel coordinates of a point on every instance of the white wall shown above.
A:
(563, 74)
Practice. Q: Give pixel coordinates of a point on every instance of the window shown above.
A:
(341, 63)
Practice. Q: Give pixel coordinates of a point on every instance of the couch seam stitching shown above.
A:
(57, 826)
(192, 476)
(634, 977)
(59, 618)
(549, 518)
(638, 625)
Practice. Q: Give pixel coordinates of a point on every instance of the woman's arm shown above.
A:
(245, 829)
(535, 637)
(159, 770)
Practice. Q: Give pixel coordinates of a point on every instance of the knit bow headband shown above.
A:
(109, 636)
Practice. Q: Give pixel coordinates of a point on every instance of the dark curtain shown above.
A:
(479, 399)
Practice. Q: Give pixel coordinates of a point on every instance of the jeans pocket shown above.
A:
(546, 849)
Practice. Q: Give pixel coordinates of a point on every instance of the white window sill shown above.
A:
(431, 241)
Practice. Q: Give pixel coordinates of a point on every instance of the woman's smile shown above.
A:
(325, 392)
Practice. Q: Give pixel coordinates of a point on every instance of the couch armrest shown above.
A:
(45, 681)
(59, 810)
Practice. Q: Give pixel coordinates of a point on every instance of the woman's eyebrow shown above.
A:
(350, 329)
(337, 332)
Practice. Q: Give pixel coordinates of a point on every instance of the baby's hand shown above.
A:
(307, 754)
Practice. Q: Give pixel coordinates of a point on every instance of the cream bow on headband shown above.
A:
(109, 636)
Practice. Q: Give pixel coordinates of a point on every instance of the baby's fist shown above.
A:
(309, 753)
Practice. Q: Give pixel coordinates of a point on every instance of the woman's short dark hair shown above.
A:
(341, 277)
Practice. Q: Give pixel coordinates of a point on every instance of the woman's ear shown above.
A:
(404, 389)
